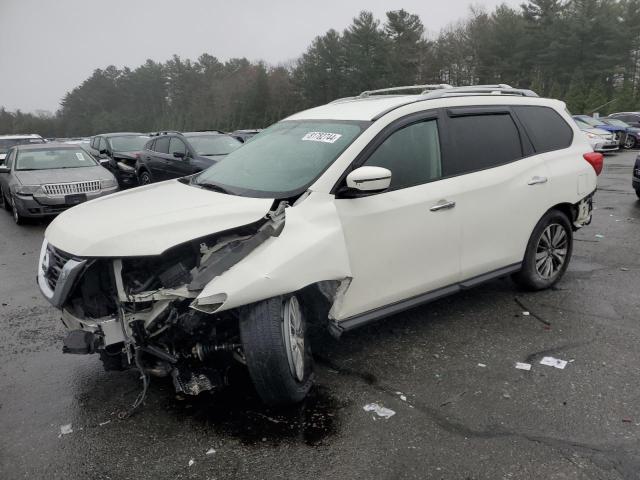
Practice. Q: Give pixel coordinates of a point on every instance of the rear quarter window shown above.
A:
(482, 141)
(547, 130)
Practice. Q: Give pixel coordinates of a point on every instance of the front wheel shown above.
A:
(629, 142)
(277, 350)
(145, 178)
(19, 219)
(638, 193)
(548, 252)
(5, 202)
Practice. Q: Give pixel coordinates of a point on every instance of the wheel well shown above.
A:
(143, 169)
(566, 208)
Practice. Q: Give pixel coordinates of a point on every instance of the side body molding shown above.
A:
(310, 249)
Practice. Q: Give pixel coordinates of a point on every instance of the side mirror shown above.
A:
(369, 179)
(4, 168)
(179, 154)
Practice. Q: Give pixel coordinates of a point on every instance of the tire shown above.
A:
(145, 178)
(17, 218)
(638, 194)
(543, 264)
(629, 142)
(5, 202)
(281, 371)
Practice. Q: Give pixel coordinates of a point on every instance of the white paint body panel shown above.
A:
(149, 220)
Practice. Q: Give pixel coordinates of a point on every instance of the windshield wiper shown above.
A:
(213, 187)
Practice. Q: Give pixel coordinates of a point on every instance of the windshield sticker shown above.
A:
(80, 156)
(323, 137)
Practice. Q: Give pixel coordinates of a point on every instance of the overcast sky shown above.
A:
(49, 47)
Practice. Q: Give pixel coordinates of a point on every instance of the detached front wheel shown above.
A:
(277, 350)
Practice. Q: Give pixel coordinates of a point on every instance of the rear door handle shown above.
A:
(536, 180)
(443, 205)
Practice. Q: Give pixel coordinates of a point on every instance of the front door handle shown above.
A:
(443, 205)
(536, 180)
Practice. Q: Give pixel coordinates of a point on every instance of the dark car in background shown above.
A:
(118, 153)
(173, 154)
(630, 118)
(44, 180)
(619, 133)
(633, 133)
(244, 135)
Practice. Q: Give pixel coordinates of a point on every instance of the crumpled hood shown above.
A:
(149, 220)
(62, 175)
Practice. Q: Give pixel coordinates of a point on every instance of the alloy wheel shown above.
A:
(629, 142)
(551, 253)
(293, 331)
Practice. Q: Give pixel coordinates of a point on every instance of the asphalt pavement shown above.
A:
(447, 370)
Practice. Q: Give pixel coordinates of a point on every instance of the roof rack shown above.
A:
(423, 89)
(163, 132)
(497, 89)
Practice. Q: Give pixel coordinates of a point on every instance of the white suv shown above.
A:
(340, 215)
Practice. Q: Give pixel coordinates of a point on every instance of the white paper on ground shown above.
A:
(553, 362)
(482, 365)
(65, 429)
(211, 451)
(523, 366)
(379, 410)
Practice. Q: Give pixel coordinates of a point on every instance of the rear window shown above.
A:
(481, 141)
(546, 129)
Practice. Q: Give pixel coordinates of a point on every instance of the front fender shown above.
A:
(310, 248)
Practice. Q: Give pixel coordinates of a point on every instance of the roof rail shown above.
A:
(163, 132)
(423, 89)
(498, 89)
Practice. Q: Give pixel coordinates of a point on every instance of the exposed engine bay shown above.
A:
(142, 311)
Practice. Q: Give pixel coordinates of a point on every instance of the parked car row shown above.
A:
(608, 134)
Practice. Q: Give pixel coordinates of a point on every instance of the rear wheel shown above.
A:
(638, 193)
(548, 252)
(145, 178)
(277, 350)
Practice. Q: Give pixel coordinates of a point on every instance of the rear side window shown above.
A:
(411, 153)
(478, 142)
(162, 145)
(546, 129)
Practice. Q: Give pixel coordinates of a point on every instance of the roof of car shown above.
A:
(201, 134)
(20, 135)
(118, 134)
(372, 107)
(46, 146)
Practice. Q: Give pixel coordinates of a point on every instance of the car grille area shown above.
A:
(55, 260)
(55, 189)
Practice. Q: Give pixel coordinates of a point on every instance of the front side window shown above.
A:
(10, 158)
(46, 159)
(102, 144)
(412, 154)
(478, 142)
(128, 143)
(284, 159)
(177, 146)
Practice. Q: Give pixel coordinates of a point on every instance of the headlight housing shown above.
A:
(26, 189)
(108, 183)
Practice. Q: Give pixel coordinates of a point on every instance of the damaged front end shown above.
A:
(144, 311)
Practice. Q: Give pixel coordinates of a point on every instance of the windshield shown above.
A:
(283, 159)
(7, 143)
(214, 144)
(130, 143)
(619, 123)
(53, 158)
(590, 121)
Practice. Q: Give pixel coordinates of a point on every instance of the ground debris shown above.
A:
(523, 366)
(65, 430)
(379, 410)
(553, 362)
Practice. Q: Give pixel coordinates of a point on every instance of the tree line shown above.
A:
(586, 52)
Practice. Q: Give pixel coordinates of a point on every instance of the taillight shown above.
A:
(596, 160)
